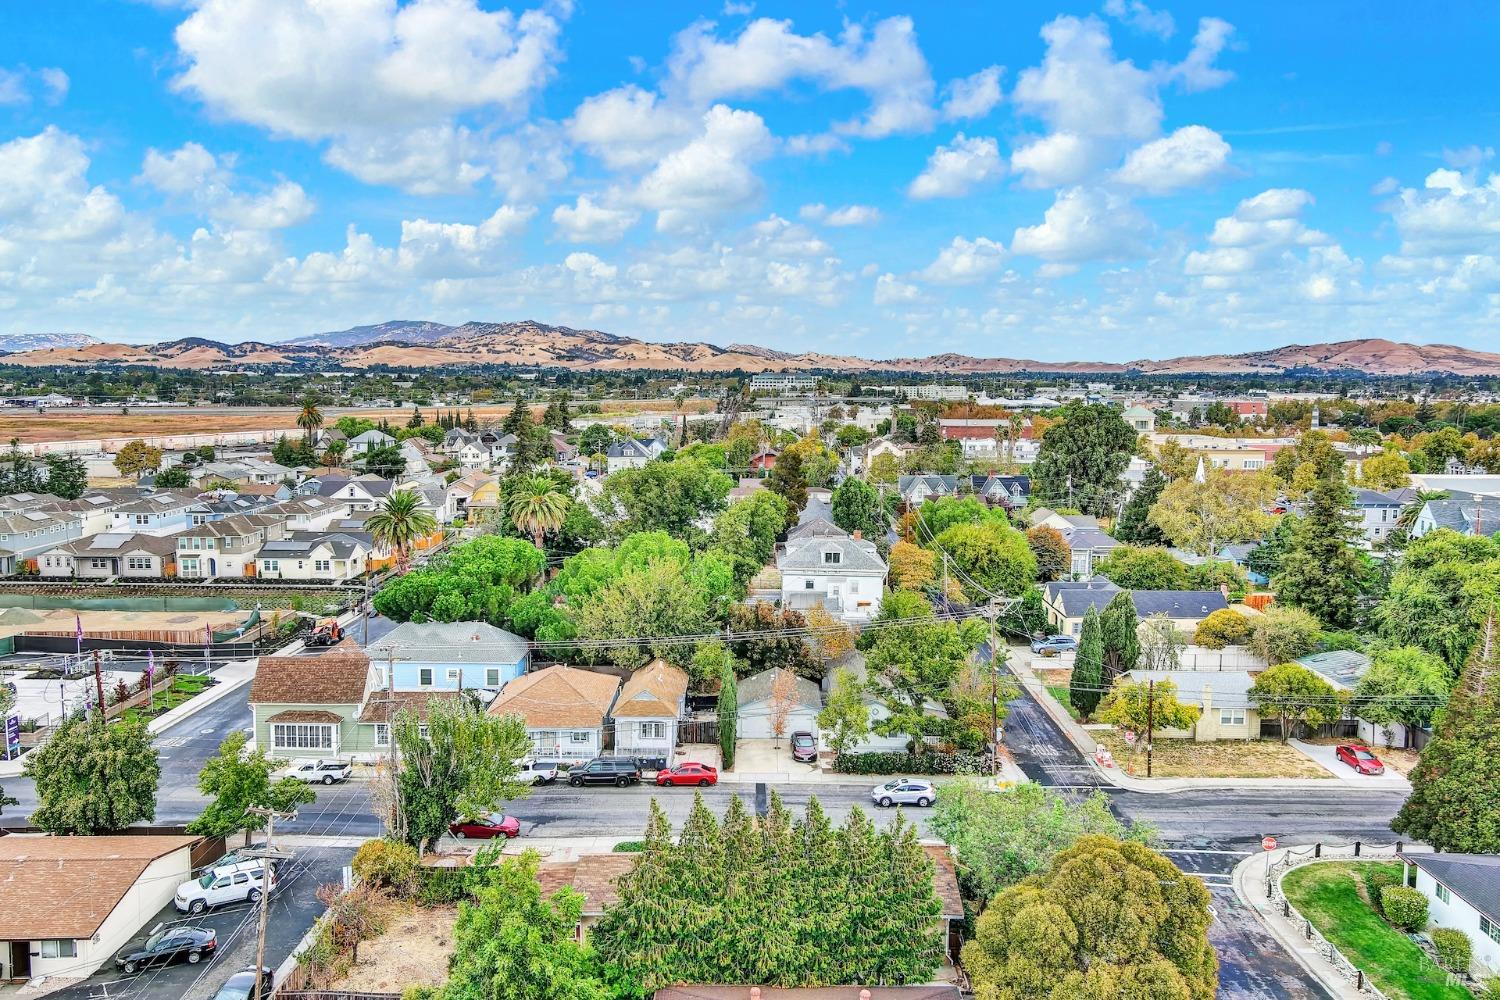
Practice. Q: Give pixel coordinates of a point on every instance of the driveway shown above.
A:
(768, 760)
(1325, 755)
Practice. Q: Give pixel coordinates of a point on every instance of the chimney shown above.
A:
(858, 534)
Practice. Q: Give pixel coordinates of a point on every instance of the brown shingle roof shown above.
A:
(558, 697)
(945, 880)
(376, 708)
(65, 887)
(336, 678)
(304, 715)
(654, 692)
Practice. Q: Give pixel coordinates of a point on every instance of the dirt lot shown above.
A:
(105, 422)
(413, 950)
(1227, 759)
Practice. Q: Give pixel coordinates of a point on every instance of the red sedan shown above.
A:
(486, 828)
(1360, 758)
(689, 773)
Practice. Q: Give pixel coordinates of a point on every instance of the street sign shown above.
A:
(1130, 737)
(10, 738)
(1268, 843)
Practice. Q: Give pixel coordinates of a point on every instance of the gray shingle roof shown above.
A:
(1474, 878)
(806, 555)
(452, 642)
(1178, 603)
(757, 687)
(1341, 667)
(1228, 688)
(1466, 515)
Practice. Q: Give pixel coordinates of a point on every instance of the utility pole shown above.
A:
(1150, 720)
(364, 615)
(994, 696)
(99, 686)
(270, 856)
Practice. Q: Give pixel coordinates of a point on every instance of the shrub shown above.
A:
(387, 864)
(1376, 878)
(1404, 908)
(909, 763)
(1225, 627)
(630, 847)
(418, 991)
(1453, 948)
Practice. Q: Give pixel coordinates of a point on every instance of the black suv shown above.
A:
(617, 771)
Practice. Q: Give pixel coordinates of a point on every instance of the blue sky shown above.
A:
(1110, 181)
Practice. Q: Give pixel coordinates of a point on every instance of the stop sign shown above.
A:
(1268, 843)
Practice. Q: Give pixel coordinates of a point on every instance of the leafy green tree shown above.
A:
(399, 523)
(538, 506)
(386, 462)
(512, 944)
(1135, 525)
(595, 439)
(1085, 686)
(993, 555)
(478, 580)
(856, 507)
(292, 453)
(845, 718)
(67, 476)
(664, 496)
(661, 601)
(1107, 919)
(1002, 837)
(1225, 627)
(1453, 805)
(1293, 694)
(1265, 558)
(92, 777)
(1144, 569)
(937, 516)
(778, 640)
(175, 478)
(1120, 637)
(883, 469)
(1145, 708)
(238, 780)
(1441, 594)
(457, 763)
(1226, 507)
(912, 567)
(746, 531)
(1322, 568)
(912, 664)
(1082, 459)
(1404, 685)
(1284, 634)
(7, 800)
(137, 458)
(1054, 559)
(788, 479)
(1312, 458)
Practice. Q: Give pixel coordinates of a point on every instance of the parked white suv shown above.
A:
(315, 772)
(239, 883)
(540, 773)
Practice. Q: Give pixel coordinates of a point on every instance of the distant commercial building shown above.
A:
(783, 382)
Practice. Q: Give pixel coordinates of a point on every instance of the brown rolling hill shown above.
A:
(538, 344)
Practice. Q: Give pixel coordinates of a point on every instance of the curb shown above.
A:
(1319, 970)
(188, 709)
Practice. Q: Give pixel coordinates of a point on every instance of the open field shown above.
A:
(1226, 759)
(413, 950)
(104, 422)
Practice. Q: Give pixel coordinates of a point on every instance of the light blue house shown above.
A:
(439, 656)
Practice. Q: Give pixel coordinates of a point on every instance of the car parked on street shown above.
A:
(317, 772)
(241, 986)
(240, 883)
(168, 945)
(486, 827)
(1360, 758)
(617, 771)
(540, 772)
(804, 748)
(688, 773)
(1054, 644)
(904, 792)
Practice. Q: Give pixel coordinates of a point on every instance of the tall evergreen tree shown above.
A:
(518, 420)
(67, 476)
(1454, 804)
(1135, 525)
(1322, 568)
(1085, 688)
(1082, 458)
(1122, 643)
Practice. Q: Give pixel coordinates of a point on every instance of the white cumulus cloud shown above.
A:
(1084, 224)
(955, 169)
(964, 262)
(586, 221)
(1191, 156)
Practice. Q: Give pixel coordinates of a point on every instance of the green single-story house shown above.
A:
(309, 706)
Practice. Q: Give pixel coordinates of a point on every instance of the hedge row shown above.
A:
(909, 763)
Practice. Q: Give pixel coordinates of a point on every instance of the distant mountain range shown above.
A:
(419, 344)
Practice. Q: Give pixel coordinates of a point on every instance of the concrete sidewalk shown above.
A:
(1249, 881)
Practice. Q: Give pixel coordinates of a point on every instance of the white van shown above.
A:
(237, 883)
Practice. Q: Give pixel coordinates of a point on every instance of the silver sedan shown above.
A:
(904, 792)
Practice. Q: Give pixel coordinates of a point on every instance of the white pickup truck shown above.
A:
(317, 772)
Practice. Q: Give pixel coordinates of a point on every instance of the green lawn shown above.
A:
(1327, 893)
(1060, 693)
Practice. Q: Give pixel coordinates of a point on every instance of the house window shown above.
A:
(59, 948)
(382, 734)
(492, 677)
(653, 730)
(1231, 716)
(424, 676)
(302, 736)
(807, 585)
(1443, 894)
(138, 562)
(1489, 927)
(99, 563)
(271, 565)
(579, 736)
(322, 566)
(454, 673)
(143, 519)
(832, 558)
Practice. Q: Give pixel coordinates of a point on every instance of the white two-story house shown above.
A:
(164, 512)
(225, 549)
(331, 557)
(821, 564)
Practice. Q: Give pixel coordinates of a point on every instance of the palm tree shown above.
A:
(538, 505)
(399, 522)
(335, 454)
(310, 419)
